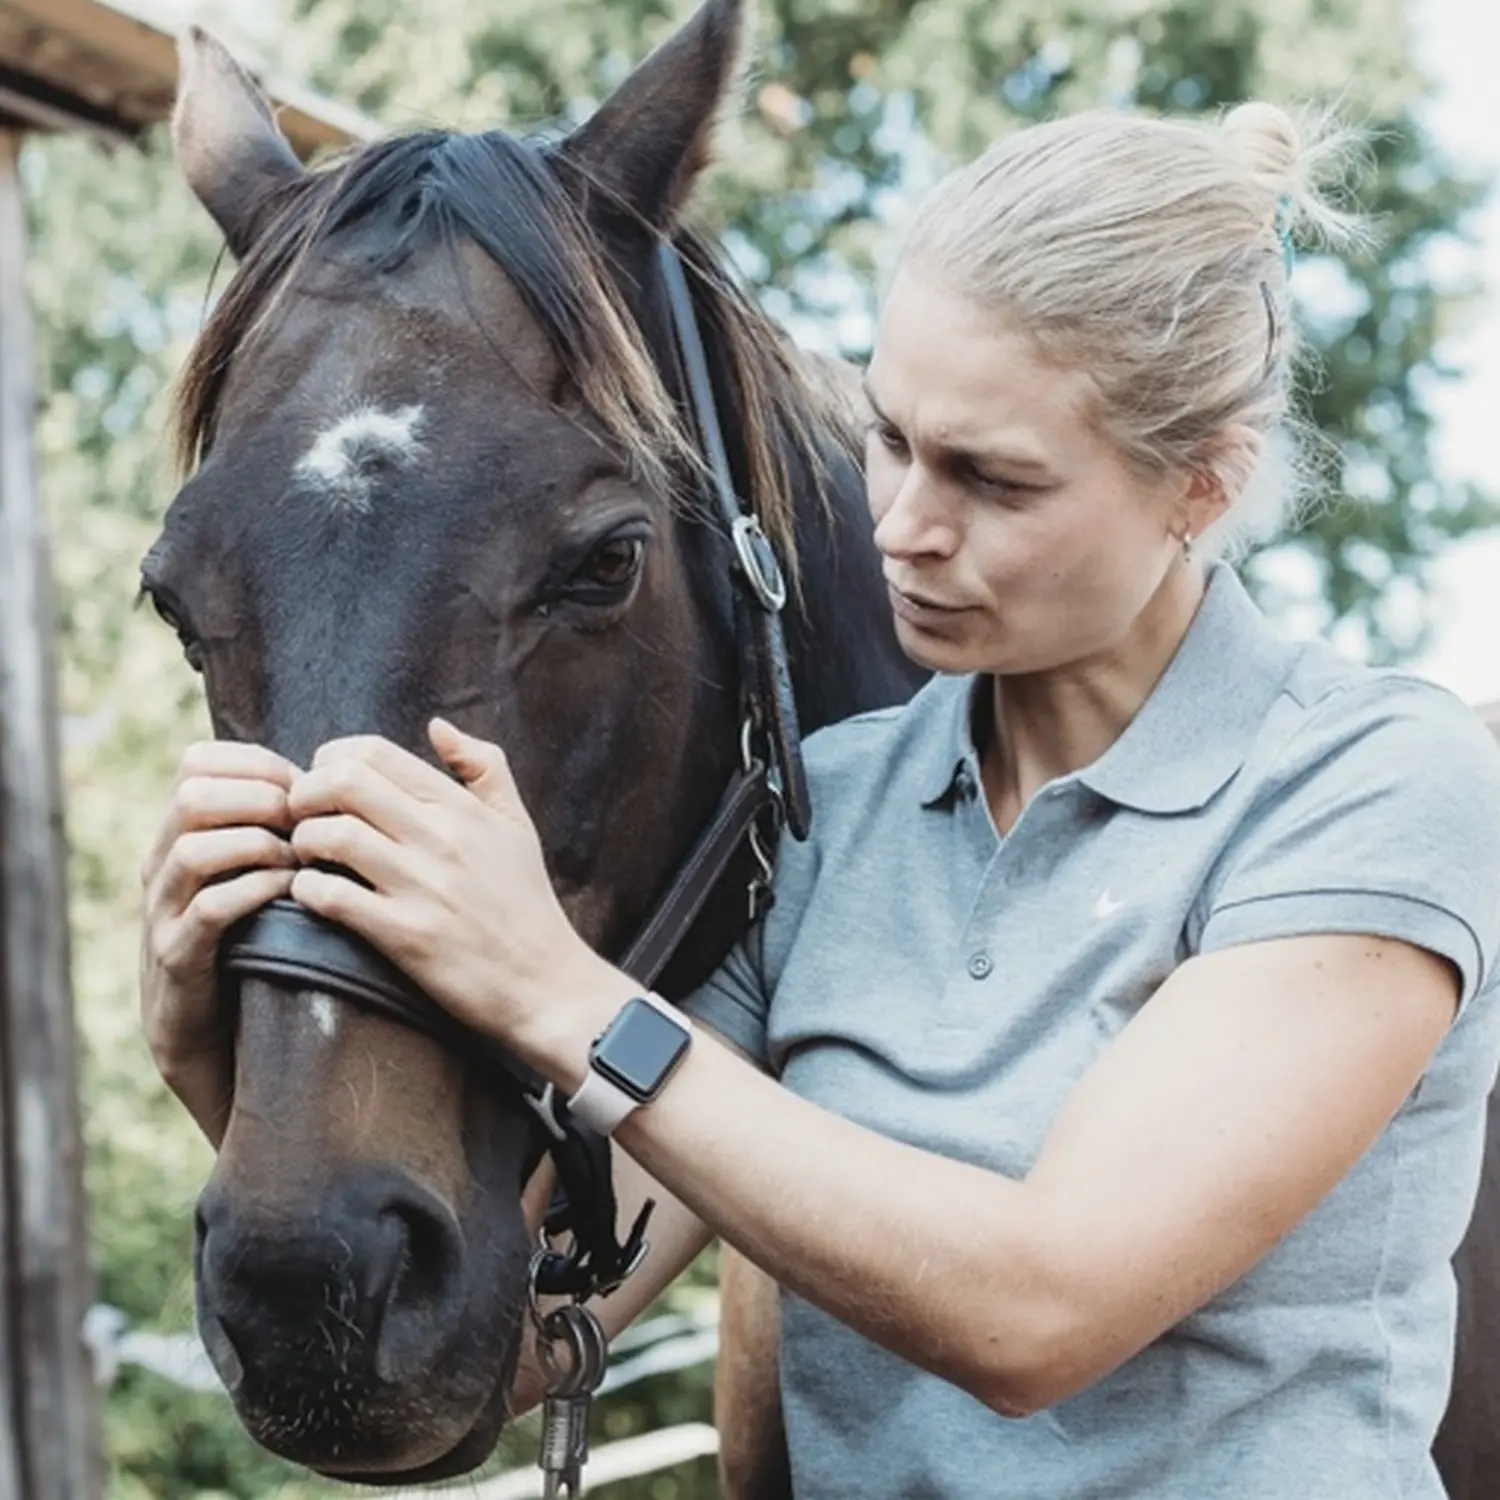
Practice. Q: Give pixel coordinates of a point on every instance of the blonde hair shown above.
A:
(1155, 254)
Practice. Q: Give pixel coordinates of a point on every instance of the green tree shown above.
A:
(853, 105)
(857, 103)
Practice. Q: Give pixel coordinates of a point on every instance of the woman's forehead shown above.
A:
(965, 376)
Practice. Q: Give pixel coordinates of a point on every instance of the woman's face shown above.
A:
(1016, 538)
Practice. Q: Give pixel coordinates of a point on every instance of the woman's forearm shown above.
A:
(927, 1256)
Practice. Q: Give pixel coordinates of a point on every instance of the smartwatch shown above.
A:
(630, 1062)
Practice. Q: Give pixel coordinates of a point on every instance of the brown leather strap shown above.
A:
(760, 589)
(744, 800)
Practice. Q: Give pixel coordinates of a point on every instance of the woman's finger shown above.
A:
(199, 858)
(189, 944)
(235, 759)
(348, 840)
(408, 772)
(480, 764)
(344, 901)
(221, 801)
(357, 788)
(208, 802)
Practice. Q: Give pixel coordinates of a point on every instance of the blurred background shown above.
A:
(853, 106)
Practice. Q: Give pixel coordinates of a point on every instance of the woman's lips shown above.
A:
(925, 614)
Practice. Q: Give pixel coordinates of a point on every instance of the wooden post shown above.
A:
(49, 1445)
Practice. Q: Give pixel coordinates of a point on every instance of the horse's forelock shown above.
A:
(501, 193)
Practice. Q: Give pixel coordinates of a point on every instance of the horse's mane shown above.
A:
(507, 196)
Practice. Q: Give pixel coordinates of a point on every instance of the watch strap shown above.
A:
(600, 1103)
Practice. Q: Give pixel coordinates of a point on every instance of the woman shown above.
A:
(1106, 1085)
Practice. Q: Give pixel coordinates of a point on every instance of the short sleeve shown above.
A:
(1382, 817)
(734, 1000)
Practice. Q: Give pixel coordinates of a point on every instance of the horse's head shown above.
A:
(439, 470)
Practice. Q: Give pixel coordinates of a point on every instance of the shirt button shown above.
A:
(980, 965)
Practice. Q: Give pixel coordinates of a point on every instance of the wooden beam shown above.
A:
(140, 57)
(51, 1406)
(31, 102)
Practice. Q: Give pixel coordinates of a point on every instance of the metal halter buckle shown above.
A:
(759, 563)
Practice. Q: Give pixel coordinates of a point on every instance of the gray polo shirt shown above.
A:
(947, 987)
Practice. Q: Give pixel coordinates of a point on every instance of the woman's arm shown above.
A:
(1248, 1085)
(1243, 1092)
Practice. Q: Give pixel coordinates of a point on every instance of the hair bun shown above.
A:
(1268, 141)
(1303, 168)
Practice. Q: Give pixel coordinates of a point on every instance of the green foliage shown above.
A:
(853, 105)
(857, 103)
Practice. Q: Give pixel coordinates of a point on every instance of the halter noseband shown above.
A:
(285, 942)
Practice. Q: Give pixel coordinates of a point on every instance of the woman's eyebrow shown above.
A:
(963, 453)
(1005, 458)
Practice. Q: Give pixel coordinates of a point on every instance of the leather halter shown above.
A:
(285, 942)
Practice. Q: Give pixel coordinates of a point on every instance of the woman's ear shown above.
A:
(1220, 475)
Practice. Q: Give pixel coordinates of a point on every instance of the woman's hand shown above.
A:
(219, 854)
(459, 896)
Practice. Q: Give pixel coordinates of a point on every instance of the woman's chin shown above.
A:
(941, 650)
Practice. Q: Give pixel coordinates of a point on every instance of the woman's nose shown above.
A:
(915, 522)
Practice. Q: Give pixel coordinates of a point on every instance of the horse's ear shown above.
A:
(647, 143)
(226, 140)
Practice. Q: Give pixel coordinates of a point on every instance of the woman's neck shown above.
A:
(1047, 724)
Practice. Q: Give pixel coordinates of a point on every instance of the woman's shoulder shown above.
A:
(885, 748)
(1385, 717)
(1371, 805)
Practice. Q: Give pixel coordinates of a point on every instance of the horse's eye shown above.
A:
(191, 648)
(613, 564)
(166, 614)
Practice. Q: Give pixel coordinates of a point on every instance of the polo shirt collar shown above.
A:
(950, 756)
(1213, 697)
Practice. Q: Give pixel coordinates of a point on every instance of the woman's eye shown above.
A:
(614, 564)
(1005, 490)
(989, 482)
(889, 437)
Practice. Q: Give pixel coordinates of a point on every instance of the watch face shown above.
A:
(640, 1048)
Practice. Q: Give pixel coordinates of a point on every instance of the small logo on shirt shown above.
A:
(1106, 906)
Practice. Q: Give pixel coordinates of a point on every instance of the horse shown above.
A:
(440, 461)
(1467, 1448)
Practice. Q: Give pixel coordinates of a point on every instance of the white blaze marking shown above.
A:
(325, 1015)
(344, 457)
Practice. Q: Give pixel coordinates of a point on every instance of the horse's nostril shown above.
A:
(206, 1263)
(380, 1267)
(425, 1287)
(430, 1254)
(222, 1353)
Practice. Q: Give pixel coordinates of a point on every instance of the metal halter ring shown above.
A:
(759, 564)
